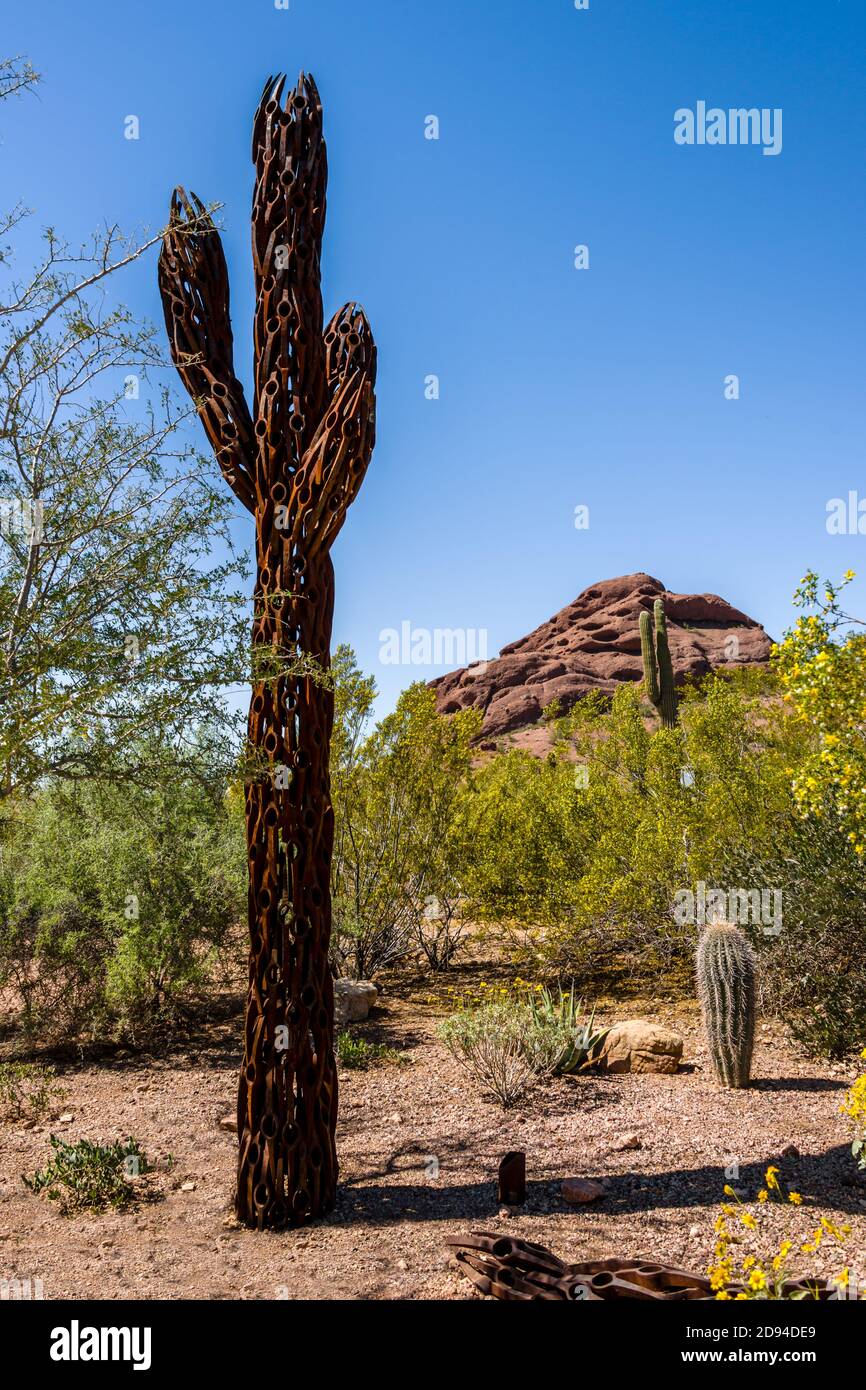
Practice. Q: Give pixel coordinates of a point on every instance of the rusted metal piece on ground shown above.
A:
(502, 1267)
(511, 1189)
(296, 462)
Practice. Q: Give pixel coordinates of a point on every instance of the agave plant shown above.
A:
(560, 1038)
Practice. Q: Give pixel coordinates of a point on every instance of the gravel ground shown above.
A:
(419, 1152)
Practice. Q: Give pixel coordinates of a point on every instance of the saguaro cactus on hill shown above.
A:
(296, 462)
(657, 665)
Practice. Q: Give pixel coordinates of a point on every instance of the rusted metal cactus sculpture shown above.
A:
(296, 463)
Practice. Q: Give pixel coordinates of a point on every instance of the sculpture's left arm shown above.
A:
(194, 286)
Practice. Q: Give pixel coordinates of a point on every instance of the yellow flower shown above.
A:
(812, 1245)
(748, 1220)
(770, 1177)
(763, 1195)
(729, 1191)
(796, 1198)
(838, 1233)
(757, 1279)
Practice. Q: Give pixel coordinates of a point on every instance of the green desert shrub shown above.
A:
(358, 1054)
(513, 1040)
(813, 971)
(122, 900)
(88, 1176)
(28, 1090)
(489, 1042)
(581, 855)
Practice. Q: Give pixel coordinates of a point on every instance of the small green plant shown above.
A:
(726, 986)
(28, 1090)
(491, 1042)
(88, 1176)
(357, 1053)
(512, 1041)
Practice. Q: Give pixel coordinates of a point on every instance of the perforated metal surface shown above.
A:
(296, 461)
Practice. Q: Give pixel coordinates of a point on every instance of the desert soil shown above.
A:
(419, 1152)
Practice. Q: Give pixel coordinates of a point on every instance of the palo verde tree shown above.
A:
(822, 665)
(296, 462)
(115, 619)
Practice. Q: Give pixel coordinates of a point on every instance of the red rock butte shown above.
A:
(594, 644)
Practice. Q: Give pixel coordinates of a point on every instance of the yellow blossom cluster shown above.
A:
(854, 1106)
(470, 996)
(822, 664)
(756, 1278)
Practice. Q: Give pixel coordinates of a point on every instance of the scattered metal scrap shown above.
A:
(502, 1267)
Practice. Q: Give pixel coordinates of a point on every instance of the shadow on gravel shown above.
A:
(433, 1200)
(826, 1179)
(799, 1083)
(823, 1178)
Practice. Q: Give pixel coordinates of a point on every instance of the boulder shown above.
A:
(353, 1000)
(636, 1045)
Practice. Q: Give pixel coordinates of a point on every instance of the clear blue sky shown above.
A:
(558, 387)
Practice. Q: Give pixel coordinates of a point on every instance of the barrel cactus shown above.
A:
(726, 987)
(657, 665)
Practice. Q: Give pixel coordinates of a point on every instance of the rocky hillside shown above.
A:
(594, 644)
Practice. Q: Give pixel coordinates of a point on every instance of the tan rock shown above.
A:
(639, 1046)
(353, 1000)
(628, 1141)
(578, 1191)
